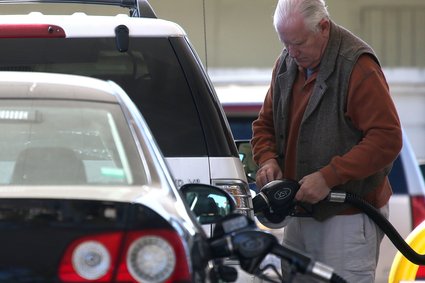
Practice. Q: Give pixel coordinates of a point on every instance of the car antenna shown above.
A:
(205, 35)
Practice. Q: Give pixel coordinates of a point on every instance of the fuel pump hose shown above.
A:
(382, 223)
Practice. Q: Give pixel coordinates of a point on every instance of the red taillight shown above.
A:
(418, 210)
(155, 242)
(137, 256)
(31, 31)
(421, 273)
(418, 215)
(71, 269)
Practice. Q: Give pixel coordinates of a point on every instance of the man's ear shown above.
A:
(324, 26)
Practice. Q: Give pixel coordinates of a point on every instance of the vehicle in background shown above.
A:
(153, 61)
(422, 167)
(407, 205)
(402, 269)
(85, 193)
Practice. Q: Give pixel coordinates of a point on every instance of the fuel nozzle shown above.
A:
(275, 202)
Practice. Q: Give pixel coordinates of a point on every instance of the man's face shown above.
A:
(304, 45)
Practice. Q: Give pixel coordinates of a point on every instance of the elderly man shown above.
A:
(328, 121)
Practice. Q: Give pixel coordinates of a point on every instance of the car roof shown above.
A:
(241, 95)
(83, 25)
(241, 101)
(136, 8)
(49, 85)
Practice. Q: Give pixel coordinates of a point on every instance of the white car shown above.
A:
(152, 60)
(407, 205)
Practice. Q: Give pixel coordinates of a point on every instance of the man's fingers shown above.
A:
(268, 172)
(269, 176)
(263, 181)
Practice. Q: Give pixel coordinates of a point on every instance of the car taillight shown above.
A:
(418, 210)
(136, 256)
(418, 215)
(91, 258)
(241, 194)
(31, 31)
(421, 273)
(154, 256)
(151, 259)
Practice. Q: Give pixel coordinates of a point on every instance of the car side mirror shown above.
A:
(208, 203)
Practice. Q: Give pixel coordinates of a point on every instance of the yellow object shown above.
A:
(402, 269)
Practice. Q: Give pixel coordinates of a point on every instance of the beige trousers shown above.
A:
(347, 243)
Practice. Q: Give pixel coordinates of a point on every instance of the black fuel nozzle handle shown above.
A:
(276, 196)
(221, 242)
(251, 247)
(232, 223)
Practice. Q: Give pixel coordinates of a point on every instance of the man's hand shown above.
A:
(269, 171)
(313, 188)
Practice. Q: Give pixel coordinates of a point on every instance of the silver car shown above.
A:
(85, 194)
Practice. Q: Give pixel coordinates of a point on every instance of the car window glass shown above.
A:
(149, 72)
(53, 142)
(241, 127)
(397, 177)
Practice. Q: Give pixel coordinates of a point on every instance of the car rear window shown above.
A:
(55, 142)
(241, 127)
(149, 72)
(397, 178)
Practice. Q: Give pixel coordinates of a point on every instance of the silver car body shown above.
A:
(148, 183)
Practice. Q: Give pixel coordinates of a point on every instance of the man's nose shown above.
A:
(293, 51)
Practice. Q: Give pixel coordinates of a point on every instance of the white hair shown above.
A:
(313, 11)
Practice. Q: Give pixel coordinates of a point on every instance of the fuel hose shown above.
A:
(382, 223)
(276, 201)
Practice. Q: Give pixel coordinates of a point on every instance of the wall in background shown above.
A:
(239, 33)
